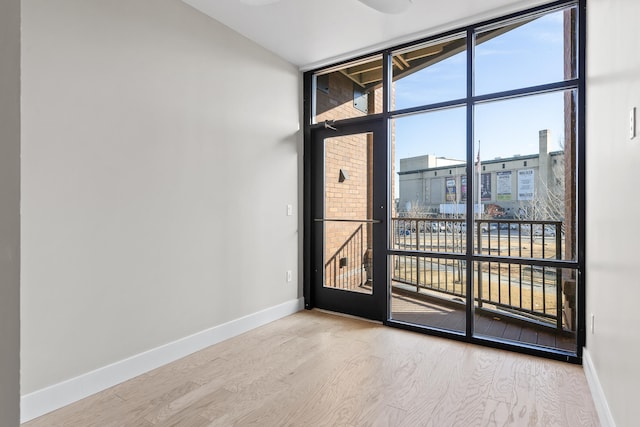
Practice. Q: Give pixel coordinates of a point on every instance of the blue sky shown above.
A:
(528, 55)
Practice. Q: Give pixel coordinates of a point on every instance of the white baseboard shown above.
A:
(58, 395)
(599, 398)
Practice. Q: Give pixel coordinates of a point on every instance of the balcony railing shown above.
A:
(347, 267)
(521, 289)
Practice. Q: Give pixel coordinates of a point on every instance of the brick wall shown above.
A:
(347, 250)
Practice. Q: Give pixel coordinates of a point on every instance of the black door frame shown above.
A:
(370, 306)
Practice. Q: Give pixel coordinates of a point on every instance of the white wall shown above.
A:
(613, 230)
(9, 212)
(160, 150)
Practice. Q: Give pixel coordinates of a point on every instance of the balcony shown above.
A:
(518, 294)
(519, 298)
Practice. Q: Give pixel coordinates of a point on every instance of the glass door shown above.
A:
(349, 219)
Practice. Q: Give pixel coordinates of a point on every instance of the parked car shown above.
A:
(437, 226)
(489, 227)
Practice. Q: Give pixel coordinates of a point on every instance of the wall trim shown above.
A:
(56, 396)
(599, 398)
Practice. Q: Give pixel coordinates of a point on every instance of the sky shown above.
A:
(528, 55)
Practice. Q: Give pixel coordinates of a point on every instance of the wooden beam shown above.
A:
(353, 78)
(401, 59)
(398, 63)
(371, 77)
(363, 68)
(424, 52)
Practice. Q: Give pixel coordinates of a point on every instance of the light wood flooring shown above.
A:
(319, 369)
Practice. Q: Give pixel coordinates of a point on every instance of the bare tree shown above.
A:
(548, 199)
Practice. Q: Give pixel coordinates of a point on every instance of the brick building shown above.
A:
(348, 178)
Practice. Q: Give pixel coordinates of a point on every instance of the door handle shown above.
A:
(368, 221)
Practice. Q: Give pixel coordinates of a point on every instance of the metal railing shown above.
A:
(524, 288)
(346, 268)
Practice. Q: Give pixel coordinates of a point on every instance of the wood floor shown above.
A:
(319, 369)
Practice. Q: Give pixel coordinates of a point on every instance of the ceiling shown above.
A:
(313, 33)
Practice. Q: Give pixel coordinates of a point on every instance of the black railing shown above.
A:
(523, 288)
(347, 267)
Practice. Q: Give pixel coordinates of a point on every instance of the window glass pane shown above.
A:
(429, 73)
(538, 50)
(429, 181)
(429, 292)
(526, 175)
(353, 90)
(348, 195)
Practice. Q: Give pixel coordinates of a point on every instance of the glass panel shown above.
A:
(537, 50)
(428, 292)
(430, 73)
(430, 188)
(353, 90)
(348, 241)
(429, 234)
(527, 176)
(526, 303)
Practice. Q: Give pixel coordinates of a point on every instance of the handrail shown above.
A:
(366, 221)
(524, 286)
(352, 251)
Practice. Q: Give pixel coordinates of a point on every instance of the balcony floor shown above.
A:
(447, 316)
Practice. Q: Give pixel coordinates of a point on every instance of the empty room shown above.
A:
(338, 212)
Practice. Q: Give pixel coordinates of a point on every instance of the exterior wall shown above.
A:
(613, 231)
(160, 150)
(424, 181)
(10, 213)
(336, 100)
(347, 198)
(350, 198)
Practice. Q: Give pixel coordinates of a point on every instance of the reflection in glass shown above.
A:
(532, 51)
(348, 242)
(353, 90)
(429, 73)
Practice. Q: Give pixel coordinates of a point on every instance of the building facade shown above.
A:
(520, 187)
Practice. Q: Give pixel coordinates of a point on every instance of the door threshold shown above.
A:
(349, 316)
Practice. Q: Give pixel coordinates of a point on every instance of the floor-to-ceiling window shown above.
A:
(483, 180)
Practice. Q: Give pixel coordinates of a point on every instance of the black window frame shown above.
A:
(578, 84)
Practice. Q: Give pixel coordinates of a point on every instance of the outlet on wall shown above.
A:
(289, 275)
